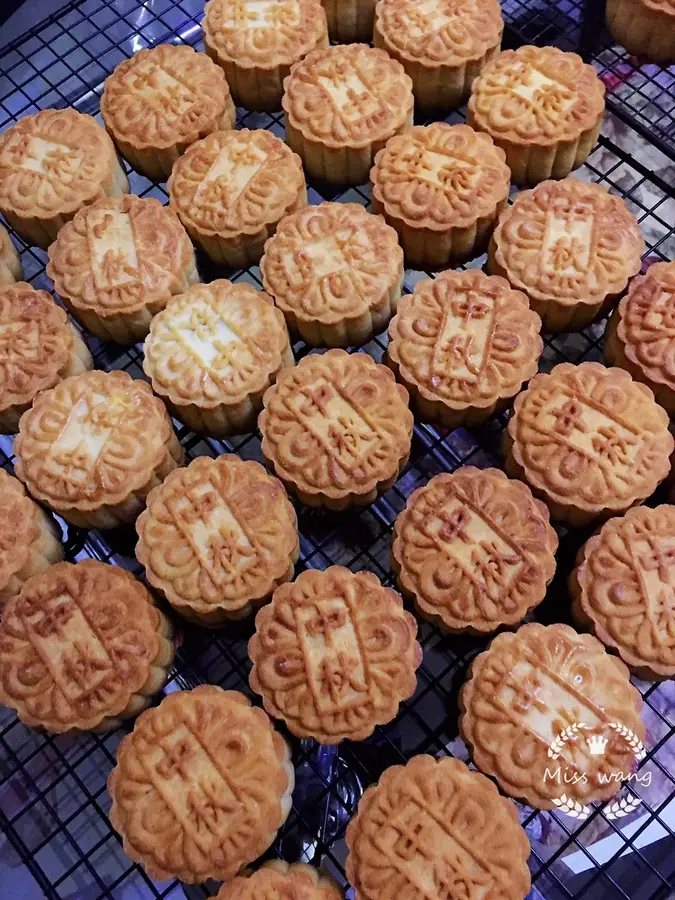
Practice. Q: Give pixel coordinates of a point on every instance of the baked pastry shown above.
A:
(256, 43)
(350, 21)
(232, 189)
(335, 271)
(474, 550)
(117, 263)
(336, 429)
(38, 348)
(94, 446)
(589, 441)
(217, 538)
(640, 336)
(646, 28)
(525, 690)
(334, 654)
(435, 829)
(441, 187)
(442, 44)
(11, 269)
(571, 247)
(213, 352)
(82, 648)
(30, 540)
(201, 786)
(160, 101)
(622, 589)
(53, 163)
(542, 106)
(276, 880)
(463, 344)
(341, 106)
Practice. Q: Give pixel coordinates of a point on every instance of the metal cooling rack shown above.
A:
(53, 800)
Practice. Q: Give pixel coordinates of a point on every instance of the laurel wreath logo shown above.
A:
(568, 734)
(572, 807)
(634, 742)
(617, 809)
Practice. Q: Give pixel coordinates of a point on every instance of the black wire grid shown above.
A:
(53, 799)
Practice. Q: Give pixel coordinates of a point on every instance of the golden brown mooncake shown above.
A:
(38, 348)
(529, 686)
(336, 429)
(640, 336)
(11, 269)
(212, 354)
(442, 44)
(82, 648)
(646, 28)
(117, 263)
(30, 540)
(257, 41)
(341, 106)
(571, 247)
(276, 880)
(350, 21)
(622, 589)
(589, 441)
(232, 189)
(334, 654)
(463, 344)
(335, 271)
(474, 550)
(160, 101)
(52, 164)
(436, 823)
(217, 538)
(201, 786)
(441, 187)
(94, 446)
(542, 106)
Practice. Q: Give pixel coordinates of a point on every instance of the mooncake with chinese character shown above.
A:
(82, 648)
(441, 187)
(201, 786)
(92, 448)
(212, 354)
(474, 550)
(436, 823)
(117, 263)
(232, 189)
(336, 429)
(589, 441)
(622, 589)
(217, 538)
(39, 347)
(525, 690)
(542, 106)
(640, 336)
(335, 271)
(463, 344)
(646, 28)
(276, 880)
(257, 41)
(571, 247)
(334, 654)
(30, 540)
(442, 44)
(341, 106)
(160, 101)
(52, 164)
